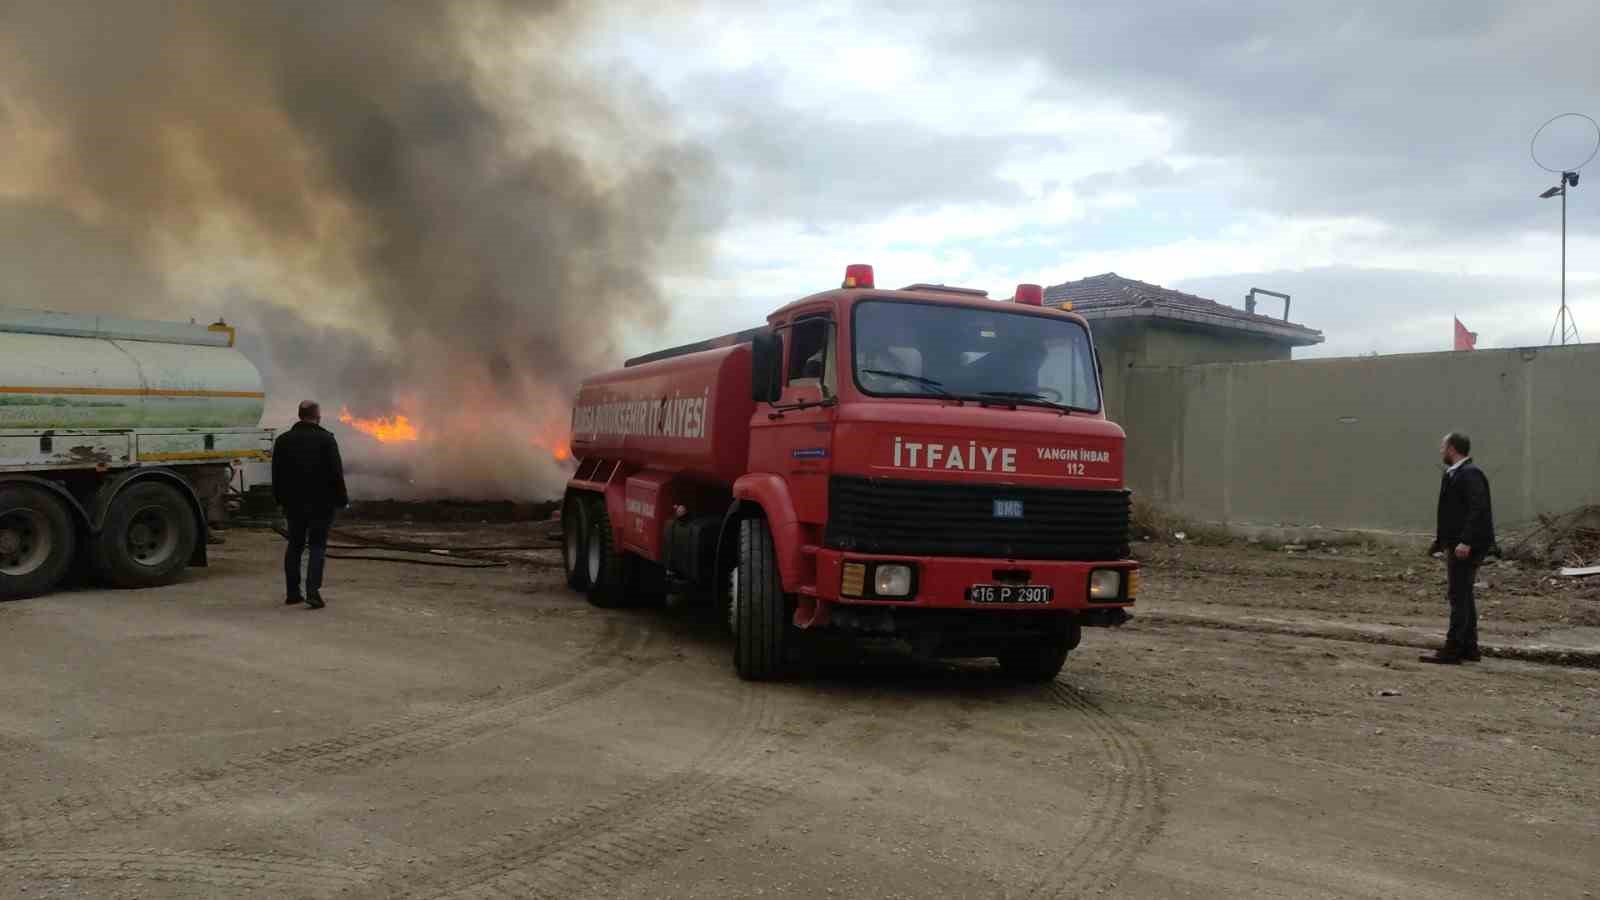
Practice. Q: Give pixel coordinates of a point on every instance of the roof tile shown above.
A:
(1111, 290)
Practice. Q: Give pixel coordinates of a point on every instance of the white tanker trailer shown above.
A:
(117, 438)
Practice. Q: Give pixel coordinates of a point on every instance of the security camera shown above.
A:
(1571, 177)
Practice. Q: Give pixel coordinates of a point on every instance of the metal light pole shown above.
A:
(1565, 323)
(1565, 315)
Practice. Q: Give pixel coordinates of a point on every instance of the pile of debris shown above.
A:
(1571, 539)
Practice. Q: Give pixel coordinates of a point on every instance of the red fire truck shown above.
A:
(926, 464)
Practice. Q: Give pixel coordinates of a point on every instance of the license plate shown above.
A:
(1036, 594)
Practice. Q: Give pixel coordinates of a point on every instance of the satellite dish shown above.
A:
(1573, 143)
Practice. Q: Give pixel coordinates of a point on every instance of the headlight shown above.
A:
(1105, 584)
(891, 580)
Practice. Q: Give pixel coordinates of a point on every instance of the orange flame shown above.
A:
(539, 436)
(559, 449)
(387, 430)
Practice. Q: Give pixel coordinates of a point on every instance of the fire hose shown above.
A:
(408, 547)
(417, 547)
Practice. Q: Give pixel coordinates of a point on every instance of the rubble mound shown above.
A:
(1569, 539)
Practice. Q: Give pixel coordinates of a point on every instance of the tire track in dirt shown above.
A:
(1121, 819)
(263, 874)
(618, 656)
(603, 844)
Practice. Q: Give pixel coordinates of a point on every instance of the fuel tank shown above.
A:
(59, 370)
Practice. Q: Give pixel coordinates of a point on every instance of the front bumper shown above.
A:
(943, 582)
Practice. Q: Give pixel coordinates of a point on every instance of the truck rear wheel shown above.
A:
(574, 542)
(37, 541)
(1039, 660)
(761, 615)
(605, 567)
(148, 537)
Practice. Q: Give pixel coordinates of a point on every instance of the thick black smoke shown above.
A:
(415, 206)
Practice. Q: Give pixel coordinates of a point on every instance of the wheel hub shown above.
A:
(150, 537)
(25, 541)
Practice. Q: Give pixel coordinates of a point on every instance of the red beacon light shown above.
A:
(1029, 295)
(858, 275)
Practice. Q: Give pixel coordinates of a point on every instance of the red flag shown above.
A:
(1465, 340)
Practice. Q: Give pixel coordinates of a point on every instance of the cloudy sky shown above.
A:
(456, 212)
(1372, 159)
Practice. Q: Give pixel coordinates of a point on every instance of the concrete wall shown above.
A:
(1115, 342)
(1168, 345)
(1133, 343)
(1352, 443)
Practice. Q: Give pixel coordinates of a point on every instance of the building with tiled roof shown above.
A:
(1137, 324)
(1108, 297)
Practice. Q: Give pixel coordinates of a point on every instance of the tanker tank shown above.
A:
(688, 414)
(64, 371)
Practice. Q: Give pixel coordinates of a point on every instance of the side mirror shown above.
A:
(766, 367)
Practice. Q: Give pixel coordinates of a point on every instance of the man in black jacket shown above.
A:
(1464, 535)
(308, 483)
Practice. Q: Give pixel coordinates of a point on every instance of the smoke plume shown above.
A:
(407, 207)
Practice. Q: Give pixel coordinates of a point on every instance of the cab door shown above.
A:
(794, 435)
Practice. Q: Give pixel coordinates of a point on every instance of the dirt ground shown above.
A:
(444, 732)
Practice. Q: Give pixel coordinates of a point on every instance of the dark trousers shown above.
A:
(306, 529)
(1463, 635)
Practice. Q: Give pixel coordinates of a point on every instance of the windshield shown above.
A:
(923, 349)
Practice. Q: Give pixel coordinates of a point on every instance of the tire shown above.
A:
(762, 618)
(575, 542)
(148, 537)
(37, 541)
(606, 567)
(1039, 660)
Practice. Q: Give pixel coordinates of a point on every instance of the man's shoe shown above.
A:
(314, 601)
(1473, 656)
(293, 600)
(1441, 658)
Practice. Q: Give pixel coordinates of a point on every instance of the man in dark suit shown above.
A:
(308, 483)
(1465, 533)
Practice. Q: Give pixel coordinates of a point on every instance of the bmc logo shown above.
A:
(1008, 509)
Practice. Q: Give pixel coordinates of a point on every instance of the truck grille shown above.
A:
(919, 518)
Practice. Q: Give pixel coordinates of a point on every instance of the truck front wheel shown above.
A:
(148, 537)
(1039, 660)
(37, 541)
(762, 623)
